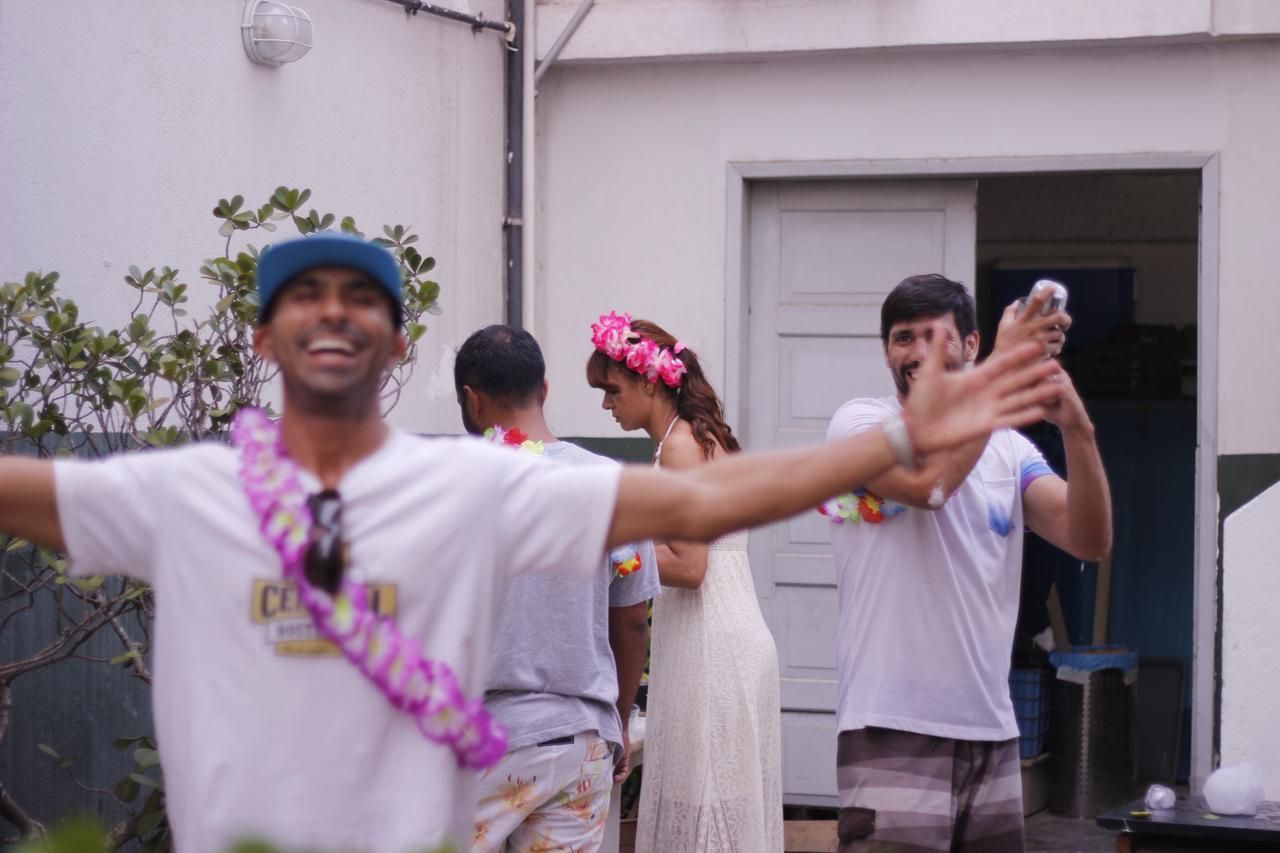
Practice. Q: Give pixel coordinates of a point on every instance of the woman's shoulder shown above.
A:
(681, 450)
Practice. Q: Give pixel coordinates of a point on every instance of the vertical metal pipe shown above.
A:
(513, 222)
(529, 221)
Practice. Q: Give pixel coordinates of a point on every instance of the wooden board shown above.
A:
(809, 836)
(1058, 622)
(1102, 602)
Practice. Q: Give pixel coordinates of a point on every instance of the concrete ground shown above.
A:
(1045, 834)
(1048, 833)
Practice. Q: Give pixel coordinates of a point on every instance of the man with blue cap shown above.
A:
(326, 588)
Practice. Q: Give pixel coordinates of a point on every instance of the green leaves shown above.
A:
(312, 222)
(163, 437)
(123, 743)
(227, 209)
(89, 584)
(399, 235)
(289, 200)
(415, 263)
(64, 763)
(126, 790)
(146, 781)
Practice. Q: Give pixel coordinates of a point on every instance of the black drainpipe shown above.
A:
(513, 221)
(513, 218)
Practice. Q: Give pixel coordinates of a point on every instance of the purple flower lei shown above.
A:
(425, 689)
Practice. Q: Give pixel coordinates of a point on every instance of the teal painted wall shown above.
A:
(622, 449)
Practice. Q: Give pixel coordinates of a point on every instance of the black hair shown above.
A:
(503, 362)
(930, 295)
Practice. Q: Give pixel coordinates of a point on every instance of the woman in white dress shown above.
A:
(712, 767)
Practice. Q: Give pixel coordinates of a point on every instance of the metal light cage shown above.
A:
(275, 33)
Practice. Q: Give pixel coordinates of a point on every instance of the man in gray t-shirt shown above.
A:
(568, 652)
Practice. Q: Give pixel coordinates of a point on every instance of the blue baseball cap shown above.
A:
(281, 262)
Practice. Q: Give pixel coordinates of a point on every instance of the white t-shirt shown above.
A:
(263, 730)
(929, 598)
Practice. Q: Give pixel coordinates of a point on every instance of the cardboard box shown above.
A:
(1035, 784)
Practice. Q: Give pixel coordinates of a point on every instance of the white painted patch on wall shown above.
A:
(437, 383)
(1250, 642)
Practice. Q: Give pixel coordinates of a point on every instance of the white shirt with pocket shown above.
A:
(929, 598)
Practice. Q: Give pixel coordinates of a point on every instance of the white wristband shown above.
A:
(895, 430)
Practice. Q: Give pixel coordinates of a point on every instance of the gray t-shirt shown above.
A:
(552, 672)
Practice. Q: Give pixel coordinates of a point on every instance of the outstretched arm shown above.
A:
(943, 411)
(28, 505)
(743, 490)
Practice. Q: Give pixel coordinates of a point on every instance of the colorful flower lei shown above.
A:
(860, 505)
(514, 437)
(425, 689)
(625, 559)
(614, 337)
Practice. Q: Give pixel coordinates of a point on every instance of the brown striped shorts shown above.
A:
(911, 793)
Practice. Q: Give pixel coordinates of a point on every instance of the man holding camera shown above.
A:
(929, 565)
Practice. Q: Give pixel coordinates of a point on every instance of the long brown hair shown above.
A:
(696, 401)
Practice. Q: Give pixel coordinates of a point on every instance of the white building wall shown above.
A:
(1250, 642)
(632, 177)
(632, 161)
(648, 29)
(123, 123)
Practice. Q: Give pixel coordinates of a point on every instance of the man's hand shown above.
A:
(946, 409)
(1067, 412)
(622, 769)
(1030, 325)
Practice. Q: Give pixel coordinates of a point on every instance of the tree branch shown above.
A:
(11, 811)
(138, 666)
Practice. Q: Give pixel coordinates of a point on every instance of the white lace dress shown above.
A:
(712, 757)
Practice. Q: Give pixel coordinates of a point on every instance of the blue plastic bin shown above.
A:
(1030, 693)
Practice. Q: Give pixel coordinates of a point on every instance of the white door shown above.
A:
(823, 255)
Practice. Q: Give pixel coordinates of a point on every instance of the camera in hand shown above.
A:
(1057, 299)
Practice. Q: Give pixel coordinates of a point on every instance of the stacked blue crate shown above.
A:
(1029, 689)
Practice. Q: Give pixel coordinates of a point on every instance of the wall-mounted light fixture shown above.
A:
(275, 33)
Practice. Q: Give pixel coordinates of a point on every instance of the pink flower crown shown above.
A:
(614, 337)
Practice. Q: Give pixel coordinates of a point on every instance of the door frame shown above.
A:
(1206, 692)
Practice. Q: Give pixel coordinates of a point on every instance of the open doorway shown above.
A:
(1126, 246)
(819, 249)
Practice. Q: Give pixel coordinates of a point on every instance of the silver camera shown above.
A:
(1057, 299)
